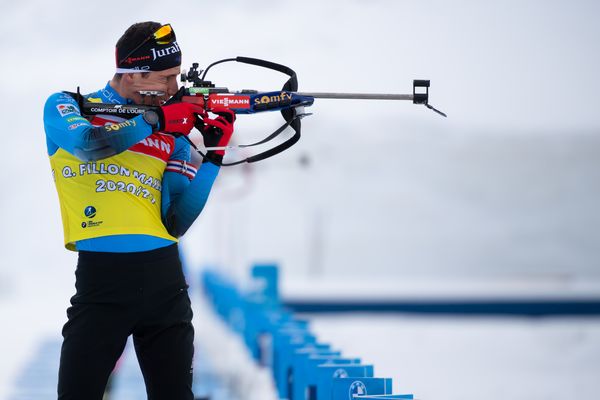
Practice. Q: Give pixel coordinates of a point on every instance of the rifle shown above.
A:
(288, 101)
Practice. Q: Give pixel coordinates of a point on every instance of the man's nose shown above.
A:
(172, 89)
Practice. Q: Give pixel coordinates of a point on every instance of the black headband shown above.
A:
(151, 56)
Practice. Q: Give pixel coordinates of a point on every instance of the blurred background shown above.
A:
(379, 199)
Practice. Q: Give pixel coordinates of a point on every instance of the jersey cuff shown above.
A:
(182, 167)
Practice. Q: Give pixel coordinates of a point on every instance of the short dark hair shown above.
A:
(136, 33)
(133, 36)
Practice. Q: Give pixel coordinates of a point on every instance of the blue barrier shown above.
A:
(284, 349)
(364, 388)
(306, 380)
(326, 374)
(302, 367)
(298, 372)
(450, 306)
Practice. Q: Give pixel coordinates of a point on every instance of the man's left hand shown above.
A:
(217, 132)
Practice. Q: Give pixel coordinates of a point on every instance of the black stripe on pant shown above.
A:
(120, 294)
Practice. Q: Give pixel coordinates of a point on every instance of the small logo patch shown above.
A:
(340, 373)
(357, 388)
(77, 125)
(66, 109)
(90, 211)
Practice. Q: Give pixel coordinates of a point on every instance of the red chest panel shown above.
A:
(157, 145)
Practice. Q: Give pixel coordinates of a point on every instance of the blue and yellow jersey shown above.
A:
(121, 186)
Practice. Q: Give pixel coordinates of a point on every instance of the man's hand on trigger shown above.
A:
(217, 132)
(179, 117)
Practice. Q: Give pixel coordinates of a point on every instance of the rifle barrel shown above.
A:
(362, 96)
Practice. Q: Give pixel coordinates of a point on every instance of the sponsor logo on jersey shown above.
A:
(65, 96)
(77, 125)
(90, 211)
(66, 109)
(109, 95)
(156, 145)
(91, 224)
(116, 127)
(78, 118)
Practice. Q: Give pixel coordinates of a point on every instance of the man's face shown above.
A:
(163, 81)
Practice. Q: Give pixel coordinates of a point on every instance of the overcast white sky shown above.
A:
(511, 64)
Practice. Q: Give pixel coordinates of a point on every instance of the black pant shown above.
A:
(120, 294)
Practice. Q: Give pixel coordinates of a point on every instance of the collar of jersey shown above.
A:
(110, 95)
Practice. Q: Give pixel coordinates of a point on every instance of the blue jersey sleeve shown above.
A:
(67, 129)
(183, 199)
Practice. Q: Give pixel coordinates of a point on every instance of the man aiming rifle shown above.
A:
(127, 191)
